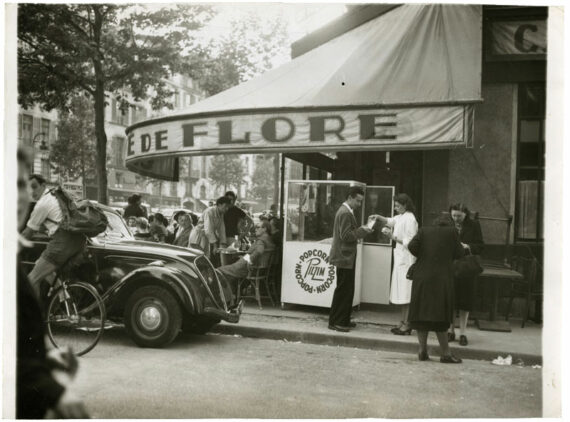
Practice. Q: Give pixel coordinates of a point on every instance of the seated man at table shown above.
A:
(238, 270)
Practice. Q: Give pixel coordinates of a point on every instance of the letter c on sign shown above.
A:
(519, 38)
(269, 129)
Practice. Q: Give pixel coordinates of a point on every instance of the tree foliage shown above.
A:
(102, 49)
(73, 153)
(246, 51)
(227, 171)
(263, 179)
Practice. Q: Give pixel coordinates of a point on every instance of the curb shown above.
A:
(354, 340)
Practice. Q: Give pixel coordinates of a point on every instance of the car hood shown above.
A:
(162, 249)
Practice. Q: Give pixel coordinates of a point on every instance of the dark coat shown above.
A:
(432, 287)
(133, 210)
(346, 233)
(470, 233)
(36, 389)
(182, 236)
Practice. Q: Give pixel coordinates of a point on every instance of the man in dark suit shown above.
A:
(343, 256)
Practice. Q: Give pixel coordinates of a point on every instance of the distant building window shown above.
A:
(46, 129)
(27, 128)
(118, 146)
(203, 172)
(114, 110)
(45, 168)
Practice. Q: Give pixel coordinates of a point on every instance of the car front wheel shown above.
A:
(152, 317)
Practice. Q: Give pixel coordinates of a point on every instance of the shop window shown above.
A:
(530, 165)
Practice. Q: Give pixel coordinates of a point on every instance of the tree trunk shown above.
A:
(101, 164)
(101, 148)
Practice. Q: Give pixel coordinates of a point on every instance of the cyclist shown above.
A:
(43, 382)
(62, 245)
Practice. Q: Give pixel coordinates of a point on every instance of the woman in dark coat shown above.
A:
(431, 306)
(471, 239)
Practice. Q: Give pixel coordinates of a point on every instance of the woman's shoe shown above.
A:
(463, 340)
(394, 329)
(423, 356)
(400, 332)
(450, 336)
(450, 359)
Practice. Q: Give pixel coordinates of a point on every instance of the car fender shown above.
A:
(172, 278)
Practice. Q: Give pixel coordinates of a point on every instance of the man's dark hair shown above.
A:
(230, 194)
(353, 191)
(38, 177)
(223, 200)
(161, 218)
(134, 198)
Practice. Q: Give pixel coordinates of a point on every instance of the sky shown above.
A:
(300, 19)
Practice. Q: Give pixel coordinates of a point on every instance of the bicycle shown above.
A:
(75, 315)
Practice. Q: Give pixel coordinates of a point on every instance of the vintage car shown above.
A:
(155, 289)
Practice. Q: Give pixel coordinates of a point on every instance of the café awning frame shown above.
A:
(409, 80)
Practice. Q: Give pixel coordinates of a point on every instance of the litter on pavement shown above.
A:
(507, 361)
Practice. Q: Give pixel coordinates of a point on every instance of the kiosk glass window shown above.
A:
(378, 200)
(311, 208)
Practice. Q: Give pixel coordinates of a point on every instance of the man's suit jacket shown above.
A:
(346, 233)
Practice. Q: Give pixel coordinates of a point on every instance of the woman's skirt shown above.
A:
(436, 326)
(464, 293)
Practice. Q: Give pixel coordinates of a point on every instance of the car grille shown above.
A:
(209, 274)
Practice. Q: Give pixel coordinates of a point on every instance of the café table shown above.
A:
(230, 255)
(496, 274)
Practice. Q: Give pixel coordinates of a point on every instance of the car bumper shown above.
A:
(231, 315)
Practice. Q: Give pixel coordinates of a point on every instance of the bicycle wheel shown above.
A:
(75, 317)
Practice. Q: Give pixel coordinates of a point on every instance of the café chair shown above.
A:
(257, 275)
(528, 287)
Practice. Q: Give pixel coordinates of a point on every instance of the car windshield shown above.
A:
(116, 228)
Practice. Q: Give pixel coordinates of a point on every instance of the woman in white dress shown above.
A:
(401, 229)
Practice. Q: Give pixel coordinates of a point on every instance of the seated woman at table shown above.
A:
(471, 239)
(182, 235)
(238, 270)
(431, 305)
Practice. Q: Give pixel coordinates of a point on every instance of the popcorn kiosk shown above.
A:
(308, 277)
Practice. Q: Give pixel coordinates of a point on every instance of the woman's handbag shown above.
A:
(467, 267)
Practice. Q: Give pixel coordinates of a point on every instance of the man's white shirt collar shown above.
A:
(348, 206)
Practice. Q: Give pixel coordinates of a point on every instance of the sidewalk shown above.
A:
(307, 324)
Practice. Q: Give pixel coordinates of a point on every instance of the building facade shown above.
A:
(37, 131)
(501, 177)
